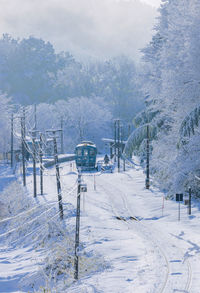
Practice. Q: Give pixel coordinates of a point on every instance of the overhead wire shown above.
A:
(37, 154)
(35, 230)
(69, 192)
(29, 222)
(30, 110)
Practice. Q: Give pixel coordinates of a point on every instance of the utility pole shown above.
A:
(189, 204)
(129, 129)
(57, 172)
(77, 226)
(41, 166)
(122, 134)
(124, 165)
(23, 149)
(115, 139)
(35, 116)
(118, 144)
(11, 150)
(24, 116)
(57, 175)
(61, 133)
(111, 152)
(147, 160)
(34, 166)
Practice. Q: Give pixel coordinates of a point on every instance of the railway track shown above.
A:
(175, 270)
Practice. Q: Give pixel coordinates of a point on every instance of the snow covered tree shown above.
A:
(84, 119)
(29, 69)
(87, 119)
(171, 78)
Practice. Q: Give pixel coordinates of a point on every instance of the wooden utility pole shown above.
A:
(111, 152)
(147, 160)
(34, 156)
(62, 136)
(115, 140)
(34, 167)
(11, 143)
(35, 116)
(77, 226)
(124, 165)
(23, 149)
(118, 144)
(41, 166)
(24, 116)
(57, 176)
(129, 129)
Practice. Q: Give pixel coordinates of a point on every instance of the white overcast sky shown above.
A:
(97, 28)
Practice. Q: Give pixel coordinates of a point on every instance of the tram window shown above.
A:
(92, 153)
(79, 152)
(85, 152)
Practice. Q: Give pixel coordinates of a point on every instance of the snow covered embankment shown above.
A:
(37, 249)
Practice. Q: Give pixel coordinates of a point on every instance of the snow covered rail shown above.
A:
(178, 271)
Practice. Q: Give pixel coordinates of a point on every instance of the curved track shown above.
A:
(178, 272)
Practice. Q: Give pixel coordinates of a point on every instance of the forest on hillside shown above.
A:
(87, 97)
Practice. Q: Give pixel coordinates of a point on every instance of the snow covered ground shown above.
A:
(131, 239)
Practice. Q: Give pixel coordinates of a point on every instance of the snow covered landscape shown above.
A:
(99, 146)
(130, 237)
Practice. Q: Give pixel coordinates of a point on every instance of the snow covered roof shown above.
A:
(86, 143)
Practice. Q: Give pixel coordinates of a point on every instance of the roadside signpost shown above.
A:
(179, 198)
(189, 202)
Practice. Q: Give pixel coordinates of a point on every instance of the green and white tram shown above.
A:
(86, 153)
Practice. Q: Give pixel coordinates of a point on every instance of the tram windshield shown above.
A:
(85, 152)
